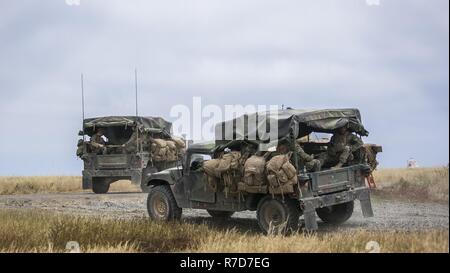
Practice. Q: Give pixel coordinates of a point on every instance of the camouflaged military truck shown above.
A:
(235, 173)
(128, 148)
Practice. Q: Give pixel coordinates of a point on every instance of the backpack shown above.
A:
(254, 171)
(159, 150)
(280, 172)
(370, 155)
(181, 145)
(210, 167)
(229, 162)
(211, 174)
(172, 151)
(230, 170)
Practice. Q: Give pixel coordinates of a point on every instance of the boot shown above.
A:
(338, 166)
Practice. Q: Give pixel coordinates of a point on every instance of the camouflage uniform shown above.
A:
(341, 148)
(306, 160)
(131, 145)
(97, 143)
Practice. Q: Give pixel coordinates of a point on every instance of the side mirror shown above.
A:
(196, 164)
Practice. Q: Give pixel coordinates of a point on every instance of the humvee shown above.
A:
(122, 159)
(329, 193)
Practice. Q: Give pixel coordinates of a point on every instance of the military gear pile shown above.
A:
(172, 151)
(164, 150)
(80, 148)
(371, 155)
(181, 145)
(254, 171)
(254, 176)
(226, 169)
(255, 180)
(212, 176)
(281, 174)
(230, 170)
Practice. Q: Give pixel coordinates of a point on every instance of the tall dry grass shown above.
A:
(421, 184)
(336, 242)
(417, 184)
(44, 232)
(53, 184)
(28, 231)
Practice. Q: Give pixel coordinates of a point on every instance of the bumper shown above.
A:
(134, 175)
(310, 204)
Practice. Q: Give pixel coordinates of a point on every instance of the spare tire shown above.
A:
(336, 214)
(220, 213)
(100, 185)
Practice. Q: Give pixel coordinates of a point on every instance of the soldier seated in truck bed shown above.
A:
(136, 146)
(341, 149)
(97, 142)
(241, 171)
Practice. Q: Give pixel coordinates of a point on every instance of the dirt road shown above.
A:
(389, 214)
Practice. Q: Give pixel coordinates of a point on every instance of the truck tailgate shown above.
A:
(329, 181)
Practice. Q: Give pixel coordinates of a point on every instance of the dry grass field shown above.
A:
(53, 184)
(419, 184)
(45, 232)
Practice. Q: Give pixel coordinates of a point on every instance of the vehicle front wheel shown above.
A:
(100, 186)
(276, 216)
(161, 204)
(220, 213)
(336, 214)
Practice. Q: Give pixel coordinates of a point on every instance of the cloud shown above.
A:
(391, 61)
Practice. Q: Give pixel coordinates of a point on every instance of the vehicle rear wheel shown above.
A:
(220, 213)
(276, 216)
(161, 204)
(100, 185)
(336, 214)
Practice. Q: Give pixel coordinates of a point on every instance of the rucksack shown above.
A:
(280, 172)
(210, 167)
(230, 170)
(172, 151)
(229, 162)
(211, 174)
(370, 154)
(254, 171)
(159, 149)
(181, 145)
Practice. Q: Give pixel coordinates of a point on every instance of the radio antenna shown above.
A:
(136, 90)
(82, 103)
(137, 113)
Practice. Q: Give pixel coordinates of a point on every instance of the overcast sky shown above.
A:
(388, 60)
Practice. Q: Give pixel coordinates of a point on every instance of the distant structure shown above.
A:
(411, 163)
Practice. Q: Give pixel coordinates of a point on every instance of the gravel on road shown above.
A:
(389, 214)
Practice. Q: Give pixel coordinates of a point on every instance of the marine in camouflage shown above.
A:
(343, 147)
(97, 143)
(307, 161)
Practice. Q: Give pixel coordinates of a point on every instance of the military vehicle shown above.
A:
(130, 153)
(329, 193)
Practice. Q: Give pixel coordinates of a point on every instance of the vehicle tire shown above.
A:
(276, 216)
(100, 186)
(161, 204)
(336, 214)
(220, 213)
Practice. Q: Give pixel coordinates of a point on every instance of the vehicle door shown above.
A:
(195, 183)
